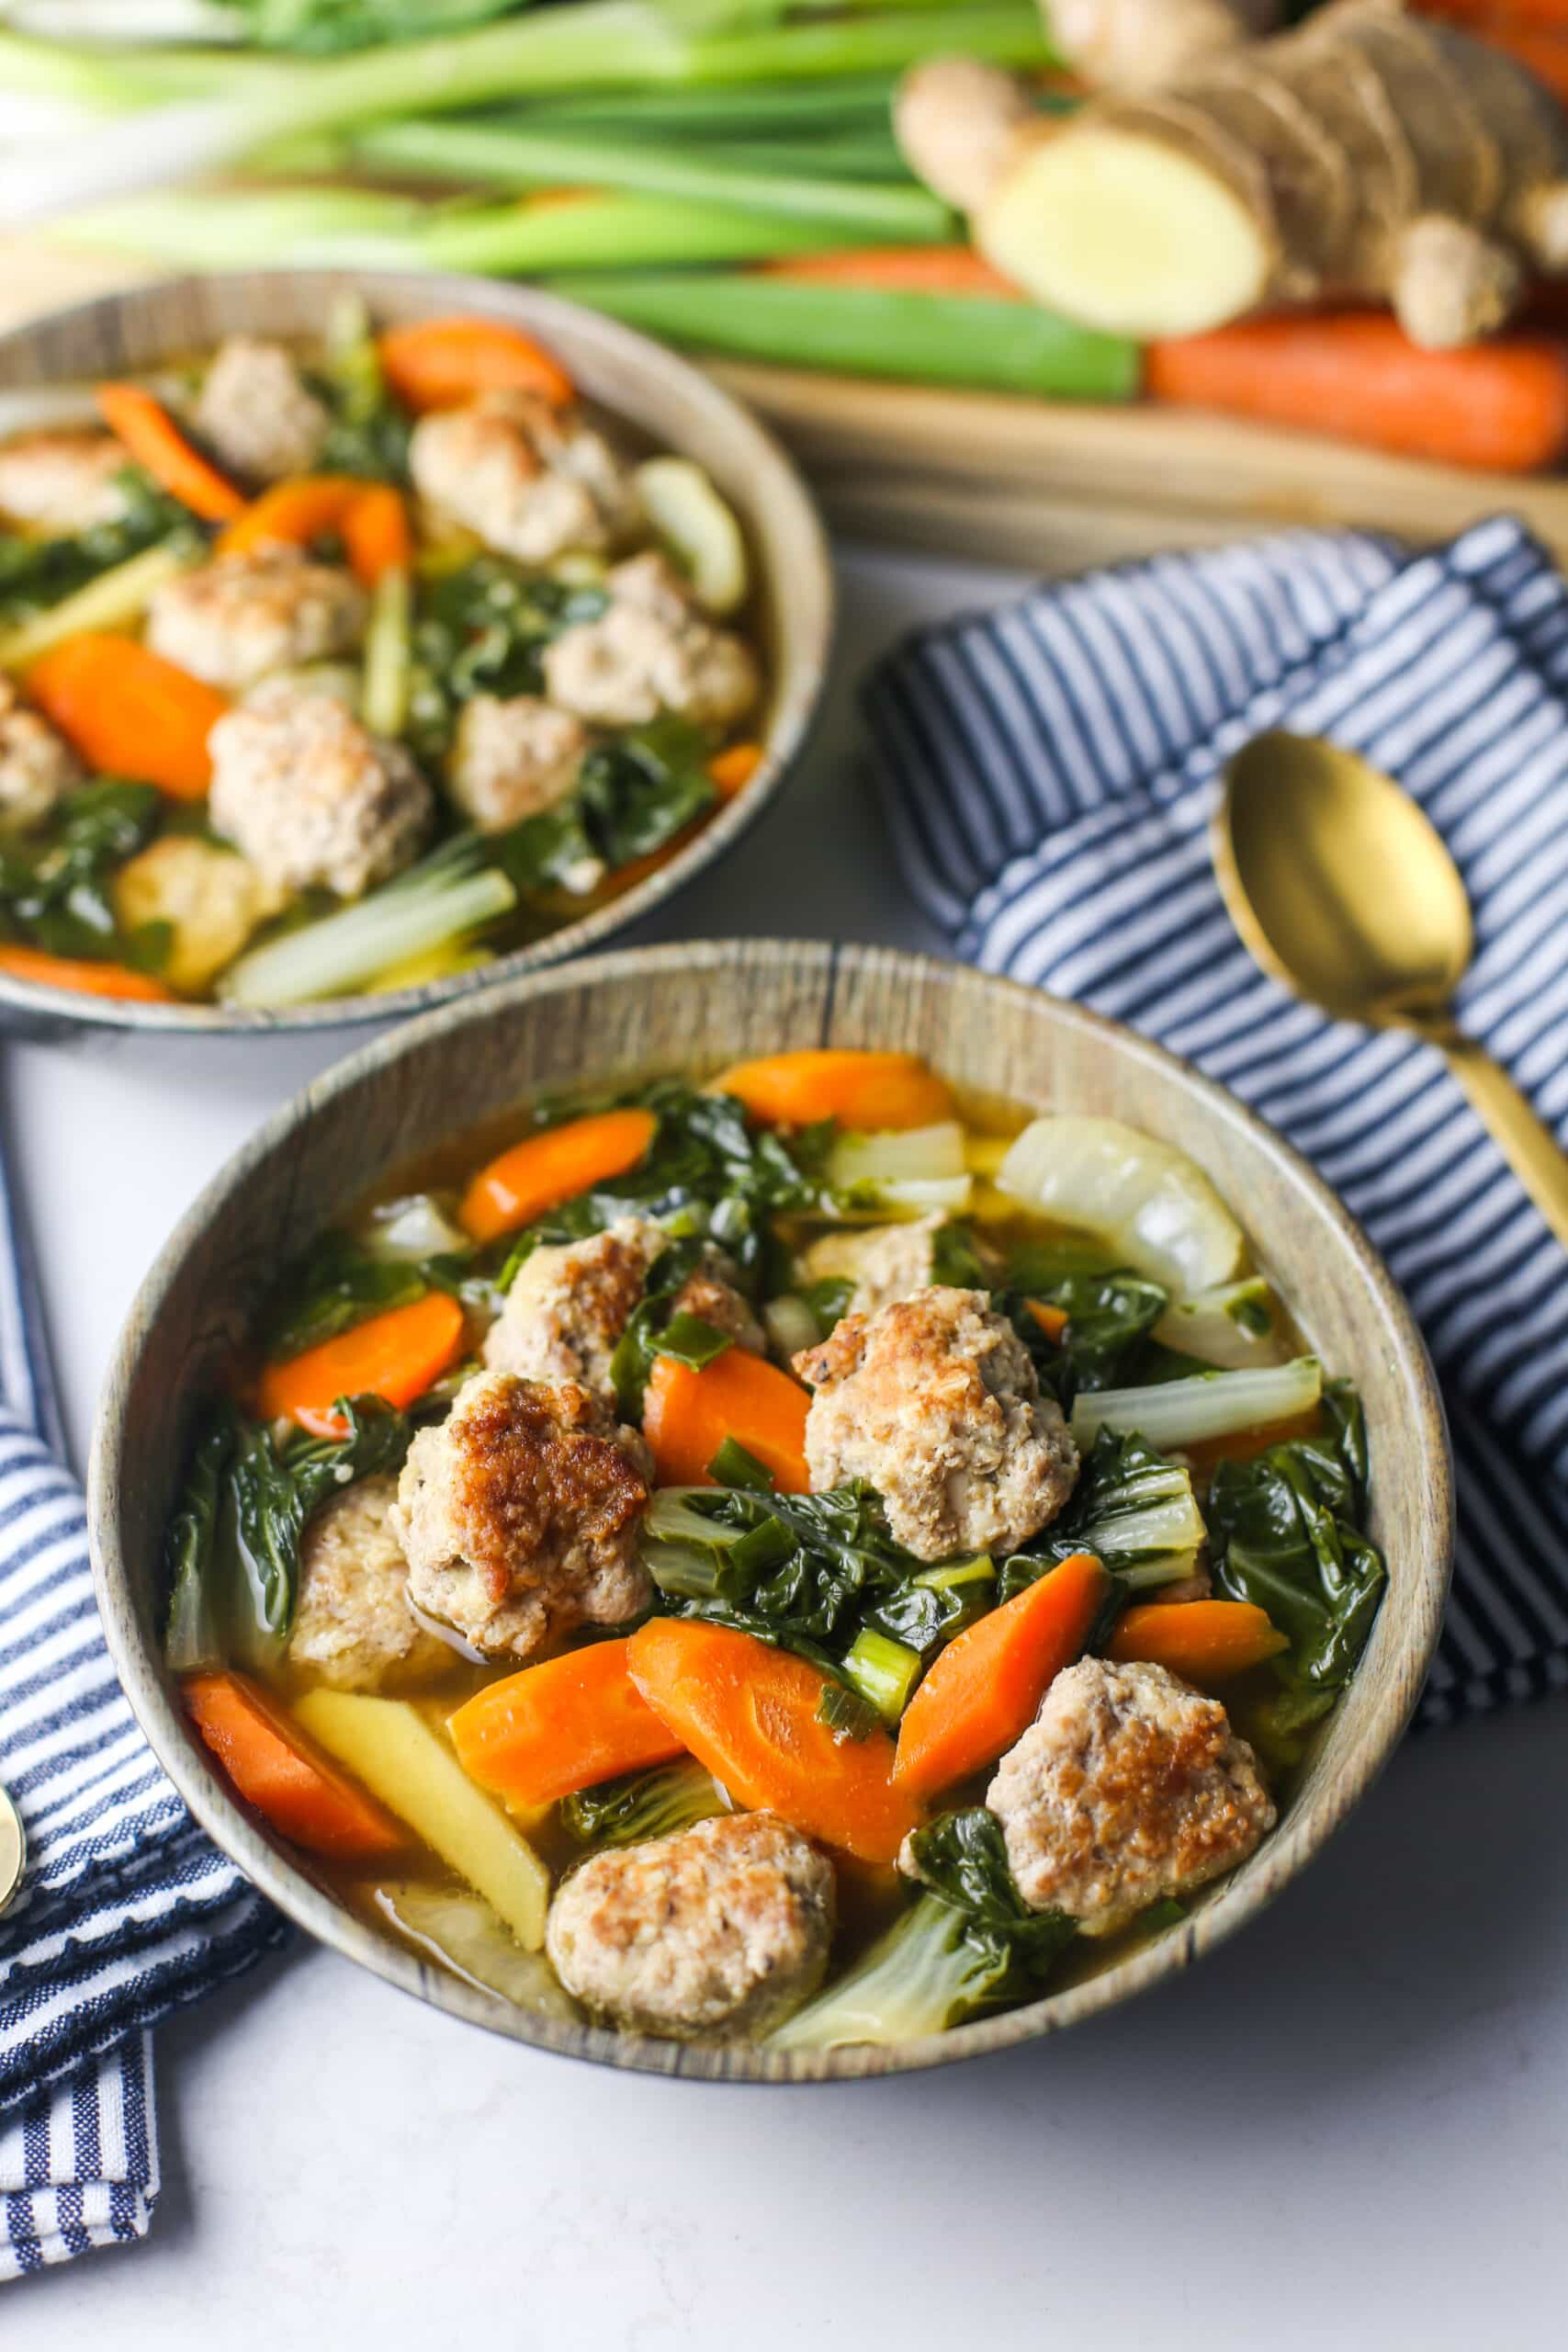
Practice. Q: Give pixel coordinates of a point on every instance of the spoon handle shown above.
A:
(1526, 1143)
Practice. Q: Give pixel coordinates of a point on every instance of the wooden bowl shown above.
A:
(664, 1008)
(661, 400)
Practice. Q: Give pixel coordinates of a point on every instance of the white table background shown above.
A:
(1350, 2127)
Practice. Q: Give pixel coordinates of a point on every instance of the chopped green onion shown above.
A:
(846, 1714)
(692, 1342)
(882, 1671)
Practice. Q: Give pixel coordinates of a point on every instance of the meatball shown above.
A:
(569, 1305)
(935, 1401)
(884, 1261)
(62, 481)
(210, 898)
(519, 1514)
(256, 415)
(526, 482)
(35, 765)
(651, 651)
(312, 797)
(720, 1931)
(1128, 1786)
(352, 1625)
(513, 758)
(270, 609)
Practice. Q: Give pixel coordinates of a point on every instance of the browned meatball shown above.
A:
(519, 1514)
(257, 413)
(652, 650)
(312, 797)
(935, 1402)
(62, 479)
(35, 765)
(513, 758)
(571, 1303)
(353, 1626)
(244, 615)
(529, 483)
(884, 1261)
(720, 1931)
(1129, 1786)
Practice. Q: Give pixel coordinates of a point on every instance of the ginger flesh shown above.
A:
(1368, 156)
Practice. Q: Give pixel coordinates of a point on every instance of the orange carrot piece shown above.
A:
(749, 1712)
(1053, 1320)
(376, 535)
(984, 1689)
(903, 269)
(147, 432)
(1502, 404)
(284, 1775)
(441, 363)
(687, 1416)
(731, 771)
(82, 975)
(560, 1727)
(1205, 1640)
(291, 513)
(861, 1089)
(544, 1170)
(397, 1356)
(129, 712)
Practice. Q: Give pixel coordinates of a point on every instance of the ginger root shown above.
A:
(1368, 155)
(1138, 44)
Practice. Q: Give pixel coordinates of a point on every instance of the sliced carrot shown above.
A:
(1053, 1320)
(397, 1356)
(984, 1689)
(147, 432)
(544, 1170)
(129, 712)
(749, 1712)
(1205, 1640)
(687, 1416)
(82, 975)
(902, 269)
(1205, 1454)
(859, 1089)
(560, 1727)
(441, 363)
(1501, 405)
(375, 533)
(275, 1767)
(732, 770)
(292, 514)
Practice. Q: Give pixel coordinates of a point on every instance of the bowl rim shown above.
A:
(789, 732)
(1305, 1828)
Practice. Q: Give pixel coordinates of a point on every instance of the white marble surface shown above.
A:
(1351, 2126)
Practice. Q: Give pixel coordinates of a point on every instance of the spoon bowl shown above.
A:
(1342, 888)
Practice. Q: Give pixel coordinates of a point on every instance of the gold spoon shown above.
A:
(13, 1849)
(1341, 889)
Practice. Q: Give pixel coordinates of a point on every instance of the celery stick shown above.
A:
(468, 151)
(388, 653)
(418, 914)
(115, 600)
(1210, 1404)
(860, 330)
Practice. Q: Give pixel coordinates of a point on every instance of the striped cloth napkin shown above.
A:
(127, 1911)
(1049, 772)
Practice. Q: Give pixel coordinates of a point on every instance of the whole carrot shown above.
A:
(1502, 405)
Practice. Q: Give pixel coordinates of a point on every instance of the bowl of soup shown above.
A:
(770, 1511)
(363, 637)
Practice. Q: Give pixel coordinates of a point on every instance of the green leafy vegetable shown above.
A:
(1109, 1315)
(342, 1280)
(642, 1804)
(55, 884)
(233, 1553)
(1132, 1507)
(969, 1944)
(36, 574)
(637, 793)
(480, 630)
(1287, 1534)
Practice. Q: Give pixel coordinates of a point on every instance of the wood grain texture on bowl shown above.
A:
(666, 1008)
(657, 394)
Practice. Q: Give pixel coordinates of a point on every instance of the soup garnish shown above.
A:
(346, 667)
(801, 1557)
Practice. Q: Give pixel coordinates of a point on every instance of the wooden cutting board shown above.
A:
(1052, 487)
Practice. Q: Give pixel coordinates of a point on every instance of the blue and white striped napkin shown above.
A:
(126, 1910)
(1049, 772)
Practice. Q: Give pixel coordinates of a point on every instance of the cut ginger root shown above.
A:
(1366, 155)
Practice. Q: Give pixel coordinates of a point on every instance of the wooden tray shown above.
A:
(1000, 479)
